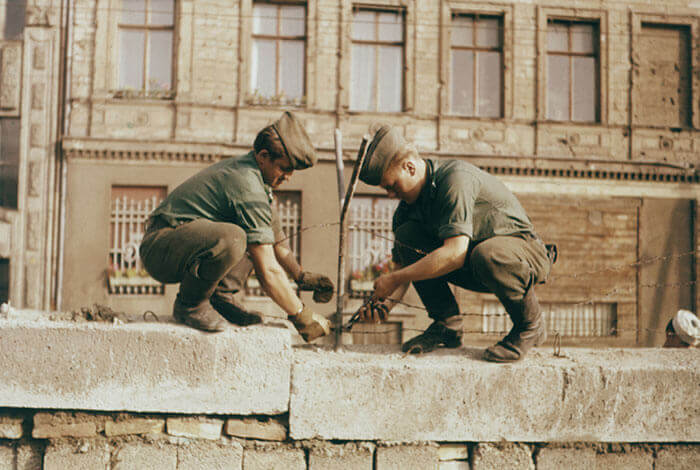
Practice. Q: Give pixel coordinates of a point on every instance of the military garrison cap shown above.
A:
(386, 142)
(295, 141)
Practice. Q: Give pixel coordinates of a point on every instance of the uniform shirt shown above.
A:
(231, 190)
(460, 199)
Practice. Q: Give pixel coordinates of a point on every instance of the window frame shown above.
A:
(600, 17)
(690, 21)
(278, 38)
(114, 53)
(401, 12)
(476, 50)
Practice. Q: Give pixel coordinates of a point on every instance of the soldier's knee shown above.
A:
(232, 245)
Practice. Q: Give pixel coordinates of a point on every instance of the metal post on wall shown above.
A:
(345, 203)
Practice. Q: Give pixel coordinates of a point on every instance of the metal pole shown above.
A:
(341, 247)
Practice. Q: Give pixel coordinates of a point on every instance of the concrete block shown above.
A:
(507, 455)
(143, 367)
(678, 457)
(453, 452)
(554, 458)
(454, 465)
(30, 456)
(406, 457)
(134, 426)
(210, 456)
(199, 428)
(350, 456)
(11, 428)
(610, 395)
(140, 455)
(635, 459)
(53, 425)
(61, 456)
(7, 458)
(250, 428)
(266, 458)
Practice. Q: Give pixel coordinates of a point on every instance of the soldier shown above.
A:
(211, 229)
(455, 224)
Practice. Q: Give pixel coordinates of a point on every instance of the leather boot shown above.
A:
(192, 305)
(437, 335)
(528, 330)
(232, 311)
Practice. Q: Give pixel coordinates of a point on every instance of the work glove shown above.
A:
(374, 311)
(310, 325)
(320, 284)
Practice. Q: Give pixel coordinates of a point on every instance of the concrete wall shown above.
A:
(95, 395)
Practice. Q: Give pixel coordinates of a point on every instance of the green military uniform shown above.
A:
(505, 256)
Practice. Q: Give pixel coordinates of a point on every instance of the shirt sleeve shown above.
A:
(454, 205)
(253, 214)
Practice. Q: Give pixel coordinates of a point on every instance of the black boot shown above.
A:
(192, 305)
(437, 335)
(528, 330)
(227, 306)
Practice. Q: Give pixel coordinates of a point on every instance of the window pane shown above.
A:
(160, 63)
(292, 68)
(390, 78)
(14, 19)
(133, 11)
(489, 84)
(390, 27)
(488, 32)
(293, 21)
(558, 37)
(364, 77)
(131, 59)
(162, 12)
(265, 19)
(558, 88)
(462, 31)
(462, 97)
(584, 87)
(363, 24)
(9, 161)
(582, 38)
(263, 75)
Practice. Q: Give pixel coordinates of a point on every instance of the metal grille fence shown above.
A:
(127, 225)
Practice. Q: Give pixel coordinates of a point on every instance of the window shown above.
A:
(589, 319)
(370, 240)
(9, 161)
(377, 61)
(664, 76)
(15, 11)
(572, 71)
(4, 280)
(146, 47)
(131, 206)
(476, 70)
(279, 52)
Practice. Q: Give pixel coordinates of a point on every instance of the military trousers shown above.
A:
(507, 266)
(206, 250)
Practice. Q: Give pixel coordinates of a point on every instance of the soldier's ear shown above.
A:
(409, 166)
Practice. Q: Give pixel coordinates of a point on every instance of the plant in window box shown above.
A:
(363, 280)
(118, 277)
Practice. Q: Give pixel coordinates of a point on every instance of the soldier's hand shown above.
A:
(374, 311)
(320, 284)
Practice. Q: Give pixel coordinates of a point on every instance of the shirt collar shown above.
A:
(429, 188)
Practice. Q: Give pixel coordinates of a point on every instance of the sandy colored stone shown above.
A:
(30, 456)
(406, 457)
(139, 456)
(7, 458)
(454, 465)
(453, 452)
(209, 456)
(282, 457)
(679, 457)
(633, 459)
(53, 425)
(350, 456)
(63, 456)
(272, 429)
(555, 458)
(506, 455)
(11, 428)
(200, 428)
(134, 426)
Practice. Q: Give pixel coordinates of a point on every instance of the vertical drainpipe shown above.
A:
(63, 119)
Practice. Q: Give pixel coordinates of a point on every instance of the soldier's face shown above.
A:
(399, 182)
(275, 172)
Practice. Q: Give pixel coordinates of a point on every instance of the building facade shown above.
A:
(588, 110)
